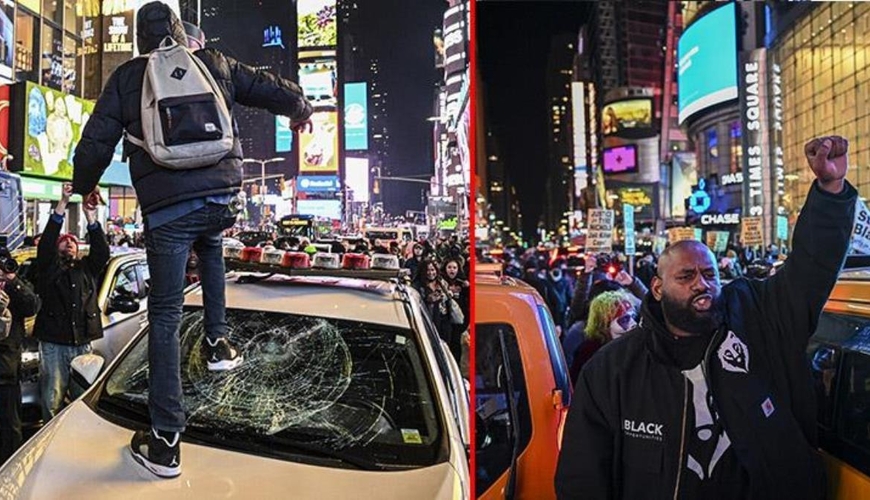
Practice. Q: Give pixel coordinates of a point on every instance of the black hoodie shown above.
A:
(118, 109)
(626, 433)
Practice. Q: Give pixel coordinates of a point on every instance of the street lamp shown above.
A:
(263, 182)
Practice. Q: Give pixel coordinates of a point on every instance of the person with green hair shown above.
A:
(611, 315)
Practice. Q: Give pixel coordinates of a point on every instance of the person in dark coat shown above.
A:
(434, 291)
(460, 290)
(70, 317)
(182, 208)
(19, 303)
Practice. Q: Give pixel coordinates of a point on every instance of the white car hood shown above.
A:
(80, 455)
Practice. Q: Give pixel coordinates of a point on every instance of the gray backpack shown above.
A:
(185, 121)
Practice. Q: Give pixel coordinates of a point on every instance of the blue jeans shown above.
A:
(54, 361)
(168, 247)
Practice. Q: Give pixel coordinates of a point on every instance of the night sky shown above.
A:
(401, 37)
(513, 41)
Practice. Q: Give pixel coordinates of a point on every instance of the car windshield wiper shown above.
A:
(279, 446)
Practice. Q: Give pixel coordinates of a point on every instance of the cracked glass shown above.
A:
(352, 393)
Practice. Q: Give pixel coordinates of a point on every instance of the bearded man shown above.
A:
(711, 396)
(68, 286)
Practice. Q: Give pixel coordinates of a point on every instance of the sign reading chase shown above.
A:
(315, 184)
(720, 219)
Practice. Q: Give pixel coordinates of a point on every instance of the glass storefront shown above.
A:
(826, 90)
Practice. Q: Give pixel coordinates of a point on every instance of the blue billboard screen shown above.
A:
(283, 134)
(356, 120)
(707, 54)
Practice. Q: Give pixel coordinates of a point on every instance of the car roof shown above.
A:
(364, 300)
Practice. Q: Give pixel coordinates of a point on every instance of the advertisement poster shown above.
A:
(318, 151)
(331, 209)
(356, 121)
(316, 23)
(4, 121)
(620, 160)
(319, 81)
(356, 178)
(118, 33)
(53, 127)
(283, 134)
(621, 117)
(707, 52)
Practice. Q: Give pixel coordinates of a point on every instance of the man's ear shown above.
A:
(656, 288)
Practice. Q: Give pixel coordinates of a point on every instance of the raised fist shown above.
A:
(828, 159)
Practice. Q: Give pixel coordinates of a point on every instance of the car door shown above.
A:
(119, 327)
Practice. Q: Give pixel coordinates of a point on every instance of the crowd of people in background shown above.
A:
(594, 299)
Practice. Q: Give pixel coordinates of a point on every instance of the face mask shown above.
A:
(622, 325)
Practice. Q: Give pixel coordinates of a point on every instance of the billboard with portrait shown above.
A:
(628, 118)
(316, 23)
(620, 160)
(318, 150)
(356, 121)
(319, 81)
(53, 127)
(707, 54)
(356, 178)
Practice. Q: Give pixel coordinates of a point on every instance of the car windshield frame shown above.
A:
(419, 447)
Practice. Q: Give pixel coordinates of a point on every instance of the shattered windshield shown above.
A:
(349, 390)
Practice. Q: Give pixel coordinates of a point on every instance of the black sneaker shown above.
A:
(158, 451)
(221, 356)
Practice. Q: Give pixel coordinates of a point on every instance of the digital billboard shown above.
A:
(620, 160)
(356, 121)
(707, 54)
(318, 150)
(54, 123)
(331, 209)
(319, 81)
(318, 183)
(283, 134)
(316, 23)
(7, 47)
(628, 118)
(356, 178)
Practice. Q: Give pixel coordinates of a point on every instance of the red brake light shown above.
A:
(355, 261)
(296, 260)
(252, 254)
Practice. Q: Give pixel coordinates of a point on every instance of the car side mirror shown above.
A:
(86, 368)
(123, 304)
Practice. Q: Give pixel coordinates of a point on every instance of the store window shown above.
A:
(72, 16)
(26, 44)
(52, 58)
(51, 11)
(736, 148)
(72, 75)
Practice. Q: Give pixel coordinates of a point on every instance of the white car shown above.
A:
(346, 391)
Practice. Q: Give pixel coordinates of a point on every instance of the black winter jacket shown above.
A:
(630, 389)
(118, 110)
(23, 303)
(66, 292)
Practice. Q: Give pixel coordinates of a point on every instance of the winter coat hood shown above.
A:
(154, 22)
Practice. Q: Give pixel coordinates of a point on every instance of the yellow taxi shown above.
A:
(522, 390)
(839, 354)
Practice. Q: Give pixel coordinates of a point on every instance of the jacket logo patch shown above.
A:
(178, 73)
(733, 354)
(643, 430)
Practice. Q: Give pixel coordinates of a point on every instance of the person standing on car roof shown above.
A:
(18, 301)
(70, 317)
(182, 208)
(711, 397)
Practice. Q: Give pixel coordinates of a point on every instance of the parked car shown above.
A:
(254, 238)
(522, 390)
(839, 356)
(346, 391)
(123, 300)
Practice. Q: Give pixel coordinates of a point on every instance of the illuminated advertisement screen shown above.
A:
(4, 121)
(316, 23)
(620, 160)
(331, 209)
(356, 121)
(318, 183)
(319, 81)
(318, 151)
(54, 124)
(7, 49)
(707, 54)
(283, 134)
(642, 198)
(356, 178)
(627, 118)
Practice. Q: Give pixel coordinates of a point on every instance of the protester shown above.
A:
(460, 291)
(182, 208)
(711, 396)
(70, 317)
(611, 315)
